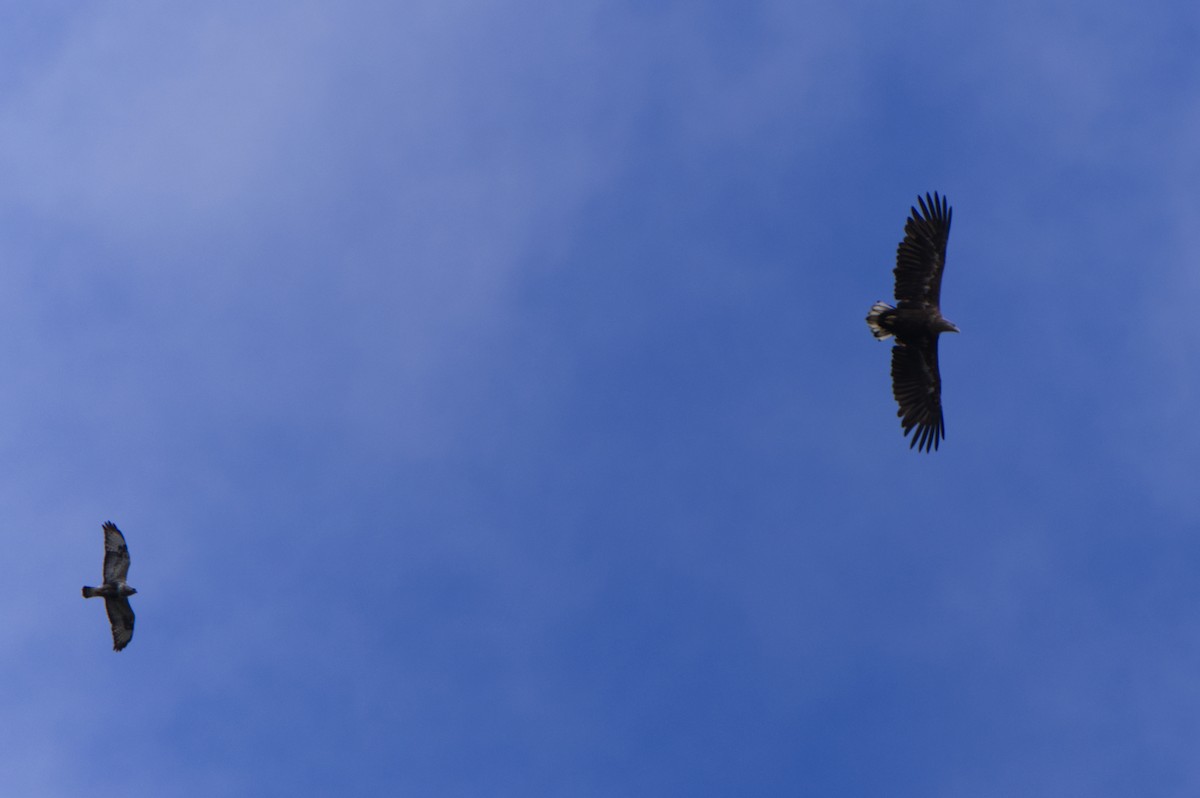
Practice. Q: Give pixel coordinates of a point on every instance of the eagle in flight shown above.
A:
(916, 322)
(114, 591)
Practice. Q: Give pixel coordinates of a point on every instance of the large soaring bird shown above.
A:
(916, 322)
(114, 591)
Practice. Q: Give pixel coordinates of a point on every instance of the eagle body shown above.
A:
(115, 591)
(906, 323)
(109, 591)
(916, 321)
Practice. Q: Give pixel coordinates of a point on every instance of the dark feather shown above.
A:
(921, 256)
(917, 386)
(120, 615)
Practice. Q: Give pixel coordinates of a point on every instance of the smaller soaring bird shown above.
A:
(114, 591)
(917, 321)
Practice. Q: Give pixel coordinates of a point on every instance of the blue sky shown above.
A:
(484, 392)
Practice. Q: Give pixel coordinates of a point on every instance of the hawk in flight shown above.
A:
(114, 591)
(916, 322)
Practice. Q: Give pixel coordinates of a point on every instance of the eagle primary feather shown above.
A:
(916, 322)
(114, 591)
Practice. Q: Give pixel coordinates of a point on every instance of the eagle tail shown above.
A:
(873, 319)
(88, 592)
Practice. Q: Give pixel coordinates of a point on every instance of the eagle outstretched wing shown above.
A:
(921, 256)
(917, 386)
(120, 615)
(116, 557)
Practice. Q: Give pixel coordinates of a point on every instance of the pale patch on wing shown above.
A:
(116, 554)
(120, 615)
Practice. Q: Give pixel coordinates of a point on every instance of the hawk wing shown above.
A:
(917, 386)
(116, 559)
(120, 615)
(921, 256)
